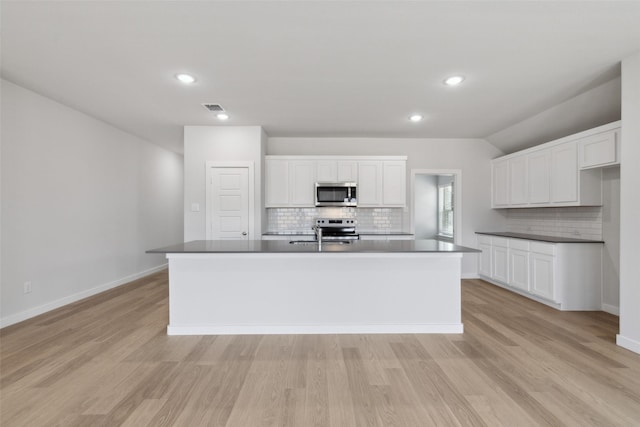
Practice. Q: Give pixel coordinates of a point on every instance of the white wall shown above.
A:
(218, 144)
(611, 237)
(81, 202)
(595, 107)
(629, 336)
(472, 156)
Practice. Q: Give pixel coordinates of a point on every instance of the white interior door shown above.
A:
(229, 203)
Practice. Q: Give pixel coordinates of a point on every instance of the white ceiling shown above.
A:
(315, 68)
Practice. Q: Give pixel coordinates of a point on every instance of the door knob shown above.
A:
(244, 233)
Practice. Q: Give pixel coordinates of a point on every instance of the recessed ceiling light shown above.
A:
(453, 80)
(186, 78)
(222, 116)
(416, 118)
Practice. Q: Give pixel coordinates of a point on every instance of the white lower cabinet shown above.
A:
(566, 276)
(484, 264)
(500, 259)
(542, 275)
(542, 257)
(519, 264)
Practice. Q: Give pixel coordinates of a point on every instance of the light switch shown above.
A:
(195, 207)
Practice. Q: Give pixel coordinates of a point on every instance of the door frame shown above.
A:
(209, 186)
(457, 198)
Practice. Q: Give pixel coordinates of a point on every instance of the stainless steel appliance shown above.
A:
(336, 229)
(336, 194)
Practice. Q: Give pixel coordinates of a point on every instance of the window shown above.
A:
(445, 210)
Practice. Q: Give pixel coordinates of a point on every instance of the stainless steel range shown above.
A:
(336, 229)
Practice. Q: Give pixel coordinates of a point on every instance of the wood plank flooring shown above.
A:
(107, 361)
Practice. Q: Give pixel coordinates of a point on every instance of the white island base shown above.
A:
(314, 293)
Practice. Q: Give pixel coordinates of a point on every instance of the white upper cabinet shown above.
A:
(289, 183)
(564, 172)
(302, 182)
(382, 183)
(369, 183)
(518, 188)
(290, 180)
(327, 171)
(347, 171)
(277, 182)
(500, 183)
(337, 171)
(538, 176)
(394, 183)
(599, 150)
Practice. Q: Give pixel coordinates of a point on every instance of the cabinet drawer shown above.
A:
(502, 242)
(519, 244)
(484, 240)
(543, 248)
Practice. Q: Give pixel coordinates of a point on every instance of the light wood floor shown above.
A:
(106, 361)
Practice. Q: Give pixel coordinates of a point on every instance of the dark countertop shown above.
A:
(548, 239)
(279, 246)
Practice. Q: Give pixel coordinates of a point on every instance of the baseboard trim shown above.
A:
(449, 328)
(469, 276)
(36, 311)
(611, 309)
(628, 343)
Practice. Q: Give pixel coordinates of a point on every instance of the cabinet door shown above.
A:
(500, 264)
(598, 150)
(347, 171)
(564, 173)
(538, 172)
(542, 274)
(519, 269)
(277, 183)
(327, 171)
(500, 183)
(302, 179)
(484, 264)
(370, 183)
(394, 183)
(518, 188)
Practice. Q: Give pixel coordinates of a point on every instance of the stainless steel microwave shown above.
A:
(336, 194)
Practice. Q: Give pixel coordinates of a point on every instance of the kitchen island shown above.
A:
(277, 287)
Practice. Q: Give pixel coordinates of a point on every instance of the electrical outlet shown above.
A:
(27, 287)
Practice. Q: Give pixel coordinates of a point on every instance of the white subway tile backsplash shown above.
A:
(580, 222)
(300, 220)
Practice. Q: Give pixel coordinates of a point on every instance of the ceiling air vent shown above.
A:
(214, 108)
